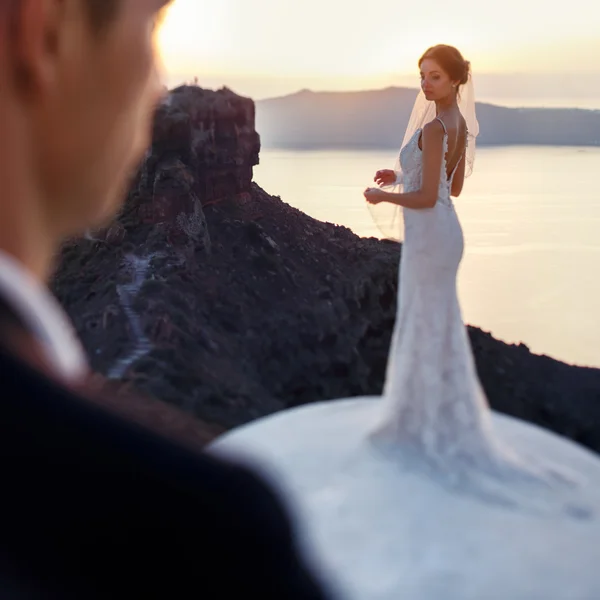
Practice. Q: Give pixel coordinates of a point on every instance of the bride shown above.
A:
(425, 493)
(433, 400)
(430, 366)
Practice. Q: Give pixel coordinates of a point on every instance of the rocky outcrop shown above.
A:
(539, 389)
(210, 294)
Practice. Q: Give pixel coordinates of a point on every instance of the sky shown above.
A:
(527, 52)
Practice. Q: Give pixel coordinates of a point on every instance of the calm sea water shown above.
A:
(531, 219)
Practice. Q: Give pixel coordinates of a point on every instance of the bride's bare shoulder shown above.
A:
(434, 129)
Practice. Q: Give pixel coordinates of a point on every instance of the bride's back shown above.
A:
(456, 131)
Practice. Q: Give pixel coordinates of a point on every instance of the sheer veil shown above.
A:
(387, 216)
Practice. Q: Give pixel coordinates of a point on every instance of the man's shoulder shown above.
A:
(82, 453)
(64, 427)
(97, 502)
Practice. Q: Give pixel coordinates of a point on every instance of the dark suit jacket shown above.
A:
(95, 506)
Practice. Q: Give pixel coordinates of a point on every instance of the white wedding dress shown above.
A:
(425, 493)
(432, 391)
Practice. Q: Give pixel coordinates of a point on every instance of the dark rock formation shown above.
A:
(212, 295)
(539, 389)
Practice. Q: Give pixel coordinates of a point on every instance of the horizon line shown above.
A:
(373, 90)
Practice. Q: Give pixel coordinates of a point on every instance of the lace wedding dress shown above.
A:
(433, 400)
(425, 493)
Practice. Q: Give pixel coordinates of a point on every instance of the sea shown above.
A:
(531, 221)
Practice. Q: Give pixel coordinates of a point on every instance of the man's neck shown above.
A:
(26, 232)
(23, 236)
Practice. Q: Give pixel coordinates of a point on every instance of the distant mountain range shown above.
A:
(377, 119)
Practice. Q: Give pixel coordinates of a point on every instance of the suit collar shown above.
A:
(41, 315)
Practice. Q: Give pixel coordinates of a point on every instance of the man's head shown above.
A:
(78, 85)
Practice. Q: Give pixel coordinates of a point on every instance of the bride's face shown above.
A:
(435, 82)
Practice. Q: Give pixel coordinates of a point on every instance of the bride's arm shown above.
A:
(433, 150)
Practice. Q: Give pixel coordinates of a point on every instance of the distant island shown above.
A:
(376, 119)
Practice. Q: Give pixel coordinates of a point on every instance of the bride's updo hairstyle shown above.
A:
(451, 60)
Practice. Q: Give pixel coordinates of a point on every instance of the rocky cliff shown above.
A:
(209, 294)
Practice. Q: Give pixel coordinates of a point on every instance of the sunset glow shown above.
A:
(352, 45)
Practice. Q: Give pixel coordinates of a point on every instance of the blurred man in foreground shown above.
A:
(96, 505)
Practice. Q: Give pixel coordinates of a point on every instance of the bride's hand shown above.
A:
(375, 195)
(385, 177)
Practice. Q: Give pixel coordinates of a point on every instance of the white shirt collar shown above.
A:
(41, 313)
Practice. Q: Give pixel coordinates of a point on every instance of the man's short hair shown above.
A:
(101, 12)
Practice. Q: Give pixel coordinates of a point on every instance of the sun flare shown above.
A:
(343, 44)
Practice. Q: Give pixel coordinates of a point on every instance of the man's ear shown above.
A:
(38, 42)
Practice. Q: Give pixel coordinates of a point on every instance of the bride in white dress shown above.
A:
(425, 493)
(432, 391)
(430, 363)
